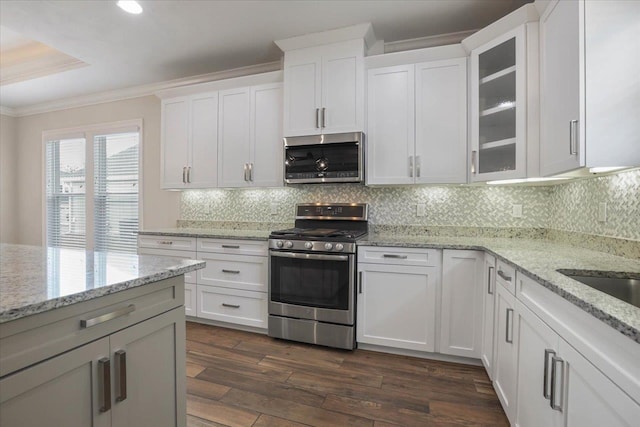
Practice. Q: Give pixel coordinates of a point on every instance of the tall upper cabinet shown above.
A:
(590, 85)
(417, 117)
(504, 109)
(324, 81)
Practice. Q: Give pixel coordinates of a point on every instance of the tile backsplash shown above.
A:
(570, 207)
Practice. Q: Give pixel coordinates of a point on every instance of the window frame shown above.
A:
(89, 132)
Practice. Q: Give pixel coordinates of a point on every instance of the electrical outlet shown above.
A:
(274, 209)
(421, 209)
(516, 211)
(602, 212)
(207, 208)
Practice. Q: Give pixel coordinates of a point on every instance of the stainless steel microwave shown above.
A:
(324, 158)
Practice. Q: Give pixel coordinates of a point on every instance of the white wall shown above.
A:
(160, 208)
(8, 190)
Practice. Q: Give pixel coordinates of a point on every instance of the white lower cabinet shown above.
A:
(190, 299)
(397, 305)
(505, 350)
(488, 286)
(134, 377)
(461, 308)
(232, 306)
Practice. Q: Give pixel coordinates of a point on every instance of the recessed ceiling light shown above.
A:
(130, 6)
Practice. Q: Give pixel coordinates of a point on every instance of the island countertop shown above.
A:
(35, 279)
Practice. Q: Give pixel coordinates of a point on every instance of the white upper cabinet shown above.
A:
(250, 137)
(324, 89)
(589, 68)
(189, 141)
(417, 117)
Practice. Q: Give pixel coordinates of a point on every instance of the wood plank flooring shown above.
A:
(238, 378)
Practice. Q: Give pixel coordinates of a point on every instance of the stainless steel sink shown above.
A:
(624, 286)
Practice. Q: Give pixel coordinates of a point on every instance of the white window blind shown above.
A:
(66, 193)
(92, 191)
(115, 207)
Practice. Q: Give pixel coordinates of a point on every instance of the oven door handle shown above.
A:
(320, 257)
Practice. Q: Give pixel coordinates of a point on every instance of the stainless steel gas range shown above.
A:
(312, 275)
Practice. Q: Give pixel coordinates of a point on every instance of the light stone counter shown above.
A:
(35, 279)
(539, 259)
(213, 233)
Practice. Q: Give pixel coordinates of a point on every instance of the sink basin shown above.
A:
(624, 286)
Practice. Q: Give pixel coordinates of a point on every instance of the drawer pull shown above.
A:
(504, 276)
(165, 242)
(106, 317)
(394, 256)
(224, 304)
(121, 359)
(104, 376)
(231, 271)
(231, 246)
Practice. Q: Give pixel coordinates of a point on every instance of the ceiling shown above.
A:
(177, 39)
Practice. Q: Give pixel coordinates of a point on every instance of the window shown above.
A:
(92, 190)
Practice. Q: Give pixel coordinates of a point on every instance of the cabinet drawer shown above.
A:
(166, 242)
(506, 276)
(28, 340)
(189, 277)
(237, 247)
(399, 256)
(190, 304)
(232, 306)
(234, 271)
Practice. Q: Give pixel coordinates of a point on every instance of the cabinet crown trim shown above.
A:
(359, 31)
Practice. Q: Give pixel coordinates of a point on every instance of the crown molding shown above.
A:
(138, 91)
(6, 111)
(360, 31)
(426, 42)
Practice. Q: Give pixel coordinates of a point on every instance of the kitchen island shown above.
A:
(91, 338)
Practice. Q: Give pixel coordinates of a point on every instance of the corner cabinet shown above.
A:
(324, 89)
(589, 66)
(250, 137)
(189, 141)
(504, 109)
(417, 117)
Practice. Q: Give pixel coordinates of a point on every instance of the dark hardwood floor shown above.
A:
(238, 378)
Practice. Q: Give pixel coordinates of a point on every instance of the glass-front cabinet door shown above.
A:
(498, 108)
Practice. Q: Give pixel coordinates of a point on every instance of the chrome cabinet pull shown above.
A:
(246, 168)
(504, 276)
(418, 166)
(323, 124)
(360, 282)
(231, 271)
(473, 161)
(509, 326)
(188, 174)
(104, 375)
(394, 256)
(165, 242)
(106, 317)
(224, 304)
(489, 290)
(231, 246)
(545, 383)
(573, 137)
(410, 166)
(250, 171)
(552, 397)
(184, 174)
(317, 118)
(121, 366)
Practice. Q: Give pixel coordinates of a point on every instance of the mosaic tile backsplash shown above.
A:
(570, 207)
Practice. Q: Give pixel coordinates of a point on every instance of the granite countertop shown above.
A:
(539, 259)
(35, 279)
(222, 233)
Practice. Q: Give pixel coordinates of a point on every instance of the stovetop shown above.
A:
(324, 233)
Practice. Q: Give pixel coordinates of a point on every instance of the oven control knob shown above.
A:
(339, 246)
(328, 246)
(308, 245)
(279, 243)
(288, 244)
